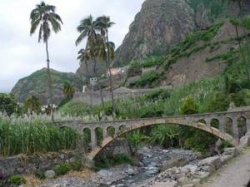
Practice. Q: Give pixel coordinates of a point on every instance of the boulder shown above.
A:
(50, 174)
(214, 162)
(176, 162)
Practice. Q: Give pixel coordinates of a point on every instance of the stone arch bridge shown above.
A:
(228, 126)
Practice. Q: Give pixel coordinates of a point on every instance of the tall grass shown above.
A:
(33, 136)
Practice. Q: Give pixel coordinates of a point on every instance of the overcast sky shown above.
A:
(21, 54)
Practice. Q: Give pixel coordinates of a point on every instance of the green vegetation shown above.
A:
(192, 43)
(16, 179)
(29, 136)
(227, 56)
(45, 17)
(214, 8)
(8, 104)
(108, 161)
(75, 108)
(149, 79)
(32, 136)
(64, 168)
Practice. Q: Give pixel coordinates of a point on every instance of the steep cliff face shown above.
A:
(164, 23)
(36, 85)
(159, 24)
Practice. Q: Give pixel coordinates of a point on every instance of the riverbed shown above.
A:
(152, 161)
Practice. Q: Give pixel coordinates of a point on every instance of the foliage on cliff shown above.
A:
(36, 85)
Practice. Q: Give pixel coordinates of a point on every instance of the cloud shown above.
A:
(22, 55)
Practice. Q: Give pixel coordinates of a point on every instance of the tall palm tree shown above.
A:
(44, 17)
(88, 28)
(104, 24)
(84, 56)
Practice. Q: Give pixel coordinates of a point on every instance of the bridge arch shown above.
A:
(198, 125)
(242, 125)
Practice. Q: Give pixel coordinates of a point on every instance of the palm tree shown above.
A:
(44, 17)
(104, 23)
(88, 28)
(68, 90)
(33, 104)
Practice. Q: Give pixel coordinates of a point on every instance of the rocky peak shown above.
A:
(159, 24)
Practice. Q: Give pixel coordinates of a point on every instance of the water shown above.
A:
(150, 165)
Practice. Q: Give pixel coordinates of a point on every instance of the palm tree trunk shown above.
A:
(51, 102)
(90, 90)
(99, 87)
(110, 81)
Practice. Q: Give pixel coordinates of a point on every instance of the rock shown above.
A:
(104, 173)
(207, 168)
(203, 175)
(72, 159)
(166, 184)
(245, 141)
(214, 162)
(191, 168)
(188, 185)
(50, 174)
(225, 158)
(172, 163)
(230, 151)
(183, 180)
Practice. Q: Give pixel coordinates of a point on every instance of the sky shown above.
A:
(21, 54)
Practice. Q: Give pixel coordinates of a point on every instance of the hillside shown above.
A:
(36, 85)
(187, 40)
(203, 54)
(163, 23)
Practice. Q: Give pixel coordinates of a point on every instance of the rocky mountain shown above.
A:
(36, 85)
(163, 23)
(161, 28)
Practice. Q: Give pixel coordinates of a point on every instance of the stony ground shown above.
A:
(235, 174)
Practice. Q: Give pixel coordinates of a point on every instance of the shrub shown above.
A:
(17, 179)
(112, 160)
(62, 169)
(76, 166)
(189, 106)
(75, 108)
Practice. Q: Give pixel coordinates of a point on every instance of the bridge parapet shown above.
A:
(224, 125)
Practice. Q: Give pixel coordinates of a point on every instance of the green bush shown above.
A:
(74, 108)
(17, 179)
(76, 166)
(62, 169)
(189, 106)
(147, 79)
(164, 135)
(112, 160)
(40, 174)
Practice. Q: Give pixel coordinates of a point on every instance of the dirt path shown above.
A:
(234, 174)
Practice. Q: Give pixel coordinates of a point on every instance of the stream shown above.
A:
(151, 162)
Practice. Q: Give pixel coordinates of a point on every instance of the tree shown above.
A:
(104, 23)
(33, 104)
(68, 90)
(44, 17)
(8, 104)
(88, 28)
